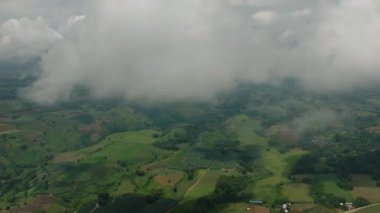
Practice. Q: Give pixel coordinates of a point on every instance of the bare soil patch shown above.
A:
(6, 127)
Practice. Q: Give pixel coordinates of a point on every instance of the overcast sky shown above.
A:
(164, 50)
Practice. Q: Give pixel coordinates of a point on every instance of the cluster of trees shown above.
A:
(218, 144)
(190, 173)
(330, 200)
(121, 119)
(359, 202)
(228, 189)
(155, 194)
(325, 199)
(172, 138)
(355, 152)
(248, 155)
(103, 198)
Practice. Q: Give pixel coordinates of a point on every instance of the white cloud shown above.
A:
(264, 17)
(74, 19)
(67, 25)
(301, 13)
(164, 50)
(347, 45)
(25, 39)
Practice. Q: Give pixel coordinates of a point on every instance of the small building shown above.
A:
(256, 202)
(349, 205)
(286, 207)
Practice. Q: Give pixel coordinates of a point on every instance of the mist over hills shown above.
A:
(168, 50)
(189, 106)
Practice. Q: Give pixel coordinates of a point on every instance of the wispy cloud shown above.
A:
(163, 50)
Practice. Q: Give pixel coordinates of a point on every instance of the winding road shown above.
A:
(364, 207)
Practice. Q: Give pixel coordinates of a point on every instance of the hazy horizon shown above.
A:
(191, 49)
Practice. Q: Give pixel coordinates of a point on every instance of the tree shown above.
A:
(155, 194)
(224, 145)
(140, 172)
(228, 188)
(103, 198)
(221, 142)
(359, 202)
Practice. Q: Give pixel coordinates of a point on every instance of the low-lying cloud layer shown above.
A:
(163, 50)
(25, 39)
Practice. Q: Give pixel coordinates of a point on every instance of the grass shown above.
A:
(267, 189)
(297, 192)
(125, 187)
(329, 186)
(365, 186)
(278, 165)
(266, 192)
(318, 209)
(6, 127)
(182, 186)
(374, 129)
(206, 186)
(375, 101)
(245, 128)
(275, 163)
(242, 208)
(292, 156)
(301, 207)
(55, 208)
(370, 193)
(372, 209)
(167, 177)
(120, 146)
(360, 180)
(135, 153)
(97, 168)
(200, 156)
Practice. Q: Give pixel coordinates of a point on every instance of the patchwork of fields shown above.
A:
(185, 157)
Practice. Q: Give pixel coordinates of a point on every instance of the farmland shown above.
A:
(189, 157)
(372, 209)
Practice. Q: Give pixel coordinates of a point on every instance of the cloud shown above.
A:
(164, 50)
(67, 26)
(345, 46)
(25, 39)
(264, 17)
(315, 120)
(301, 13)
(54, 11)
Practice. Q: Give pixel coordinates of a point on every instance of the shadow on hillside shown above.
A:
(133, 203)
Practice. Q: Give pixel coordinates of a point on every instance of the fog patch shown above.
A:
(165, 50)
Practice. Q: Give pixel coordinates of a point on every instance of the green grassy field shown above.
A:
(275, 164)
(329, 186)
(206, 185)
(297, 192)
(318, 209)
(301, 207)
(96, 167)
(246, 128)
(242, 208)
(125, 187)
(131, 146)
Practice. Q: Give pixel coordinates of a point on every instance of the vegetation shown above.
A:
(261, 142)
